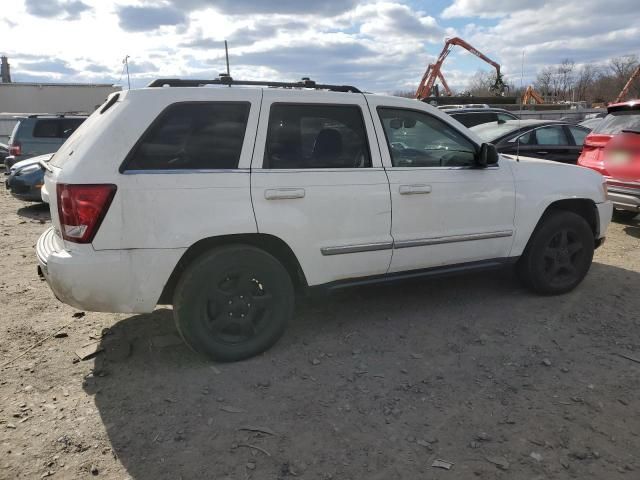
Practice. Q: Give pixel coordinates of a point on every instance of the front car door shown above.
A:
(318, 184)
(446, 211)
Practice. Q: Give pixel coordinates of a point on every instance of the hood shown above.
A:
(30, 161)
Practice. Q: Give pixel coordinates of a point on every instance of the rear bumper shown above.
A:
(125, 281)
(624, 195)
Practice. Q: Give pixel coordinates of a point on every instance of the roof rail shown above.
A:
(227, 80)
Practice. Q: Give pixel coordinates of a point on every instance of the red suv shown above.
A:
(613, 149)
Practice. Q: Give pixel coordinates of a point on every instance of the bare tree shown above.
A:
(585, 79)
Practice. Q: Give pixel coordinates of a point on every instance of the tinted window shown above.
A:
(551, 136)
(69, 125)
(579, 134)
(503, 117)
(476, 118)
(316, 136)
(417, 139)
(206, 135)
(615, 122)
(46, 129)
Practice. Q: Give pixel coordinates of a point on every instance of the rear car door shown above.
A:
(317, 183)
(446, 211)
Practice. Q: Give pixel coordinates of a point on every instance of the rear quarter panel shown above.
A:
(160, 209)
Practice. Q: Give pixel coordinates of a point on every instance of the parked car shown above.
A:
(38, 135)
(547, 139)
(591, 123)
(471, 117)
(621, 167)
(225, 201)
(26, 179)
(620, 116)
(4, 152)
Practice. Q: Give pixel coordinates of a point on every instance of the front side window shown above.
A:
(417, 139)
(188, 136)
(316, 136)
(69, 125)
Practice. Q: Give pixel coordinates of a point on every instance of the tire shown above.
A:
(623, 216)
(558, 255)
(233, 302)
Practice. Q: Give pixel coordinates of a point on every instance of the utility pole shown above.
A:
(126, 64)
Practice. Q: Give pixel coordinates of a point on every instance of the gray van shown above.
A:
(39, 134)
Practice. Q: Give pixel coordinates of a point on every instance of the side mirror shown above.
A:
(409, 122)
(395, 123)
(488, 155)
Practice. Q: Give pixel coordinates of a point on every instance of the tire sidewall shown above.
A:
(190, 293)
(552, 224)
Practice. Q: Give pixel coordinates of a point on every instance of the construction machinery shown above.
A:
(434, 72)
(530, 94)
(625, 89)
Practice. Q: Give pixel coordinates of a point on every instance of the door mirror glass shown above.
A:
(488, 155)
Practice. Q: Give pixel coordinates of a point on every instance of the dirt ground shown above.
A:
(371, 383)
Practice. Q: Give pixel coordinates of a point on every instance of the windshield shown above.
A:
(491, 131)
(615, 122)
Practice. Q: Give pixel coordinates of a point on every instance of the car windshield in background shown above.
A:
(491, 131)
(616, 122)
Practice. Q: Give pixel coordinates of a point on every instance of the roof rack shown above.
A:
(227, 80)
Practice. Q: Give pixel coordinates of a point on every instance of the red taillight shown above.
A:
(81, 209)
(15, 149)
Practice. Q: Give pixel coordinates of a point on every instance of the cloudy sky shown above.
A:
(381, 46)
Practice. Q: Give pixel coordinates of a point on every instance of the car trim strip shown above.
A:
(420, 242)
(186, 171)
(363, 247)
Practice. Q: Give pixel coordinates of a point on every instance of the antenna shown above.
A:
(126, 64)
(520, 113)
(226, 54)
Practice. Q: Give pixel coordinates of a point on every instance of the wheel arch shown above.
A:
(269, 243)
(584, 207)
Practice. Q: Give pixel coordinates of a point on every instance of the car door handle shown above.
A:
(542, 153)
(414, 189)
(284, 193)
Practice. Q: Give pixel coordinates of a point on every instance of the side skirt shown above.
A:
(443, 271)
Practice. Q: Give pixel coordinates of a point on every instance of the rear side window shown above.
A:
(46, 129)
(188, 136)
(316, 136)
(551, 136)
(472, 119)
(579, 134)
(56, 128)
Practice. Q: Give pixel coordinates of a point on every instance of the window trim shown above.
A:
(123, 168)
(265, 166)
(512, 140)
(457, 167)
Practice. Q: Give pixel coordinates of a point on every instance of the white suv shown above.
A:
(224, 198)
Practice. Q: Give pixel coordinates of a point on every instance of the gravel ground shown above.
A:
(372, 383)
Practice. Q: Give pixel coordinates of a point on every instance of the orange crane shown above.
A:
(434, 70)
(625, 90)
(530, 94)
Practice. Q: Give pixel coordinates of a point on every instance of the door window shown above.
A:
(551, 136)
(579, 134)
(316, 136)
(46, 129)
(187, 136)
(416, 139)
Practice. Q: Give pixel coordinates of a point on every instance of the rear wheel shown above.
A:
(233, 302)
(558, 255)
(623, 215)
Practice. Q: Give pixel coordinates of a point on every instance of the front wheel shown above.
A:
(558, 255)
(233, 302)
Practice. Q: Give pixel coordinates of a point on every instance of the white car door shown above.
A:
(318, 184)
(446, 210)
